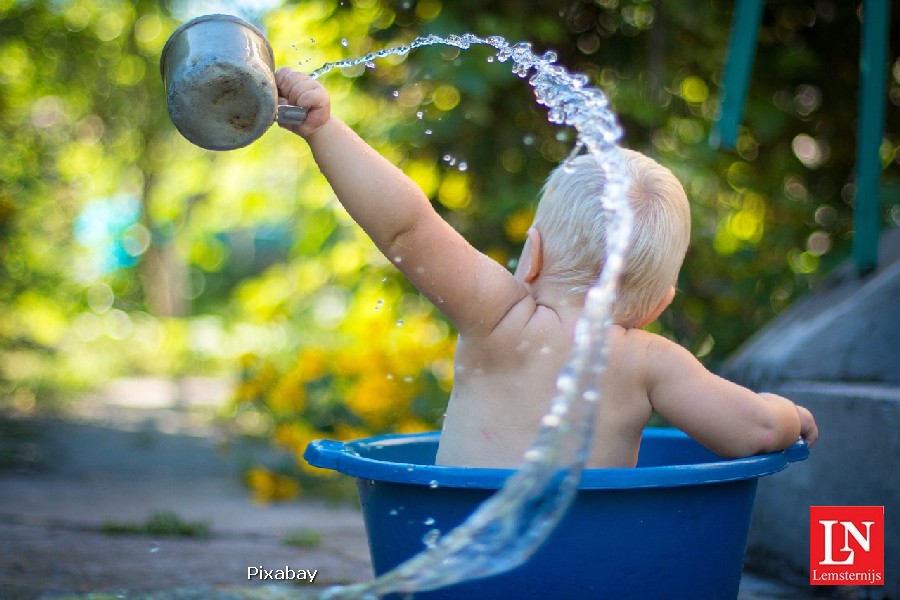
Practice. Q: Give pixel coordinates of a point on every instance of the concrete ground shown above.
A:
(118, 463)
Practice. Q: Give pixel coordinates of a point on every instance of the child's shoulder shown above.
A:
(654, 358)
(644, 346)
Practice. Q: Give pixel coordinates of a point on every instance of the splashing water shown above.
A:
(506, 529)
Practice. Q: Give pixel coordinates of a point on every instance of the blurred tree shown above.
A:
(76, 105)
(124, 248)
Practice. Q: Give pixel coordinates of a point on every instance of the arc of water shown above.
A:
(507, 528)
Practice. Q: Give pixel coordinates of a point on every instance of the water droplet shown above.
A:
(408, 379)
(433, 484)
(428, 132)
(154, 548)
(428, 521)
(395, 93)
(390, 376)
(420, 114)
(550, 421)
(431, 538)
(528, 140)
(463, 166)
(312, 40)
(393, 512)
(410, 468)
(566, 382)
(400, 323)
(344, 42)
(533, 455)
(379, 304)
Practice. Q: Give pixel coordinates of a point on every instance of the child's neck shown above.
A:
(556, 295)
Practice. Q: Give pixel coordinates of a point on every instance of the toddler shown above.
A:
(516, 329)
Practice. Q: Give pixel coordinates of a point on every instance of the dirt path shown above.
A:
(52, 519)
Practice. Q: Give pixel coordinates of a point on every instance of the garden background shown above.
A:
(126, 251)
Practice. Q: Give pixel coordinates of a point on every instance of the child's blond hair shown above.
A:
(573, 228)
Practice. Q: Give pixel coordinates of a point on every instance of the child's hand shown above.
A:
(809, 431)
(299, 89)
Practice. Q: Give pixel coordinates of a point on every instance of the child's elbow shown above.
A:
(772, 435)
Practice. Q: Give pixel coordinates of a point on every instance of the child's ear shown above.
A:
(663, 305)
(535, 255)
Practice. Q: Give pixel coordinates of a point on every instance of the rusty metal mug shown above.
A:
(219, 75)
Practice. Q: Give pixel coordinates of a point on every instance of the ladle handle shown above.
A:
(290, 115)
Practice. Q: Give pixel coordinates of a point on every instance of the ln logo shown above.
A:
(846, 545)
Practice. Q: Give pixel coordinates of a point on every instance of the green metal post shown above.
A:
(738, 66)
(873, 58)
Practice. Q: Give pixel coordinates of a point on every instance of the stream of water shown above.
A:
(508, 527)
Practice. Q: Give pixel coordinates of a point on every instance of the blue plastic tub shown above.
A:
(673, 527)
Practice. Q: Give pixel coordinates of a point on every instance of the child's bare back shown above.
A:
(501, 395)
(503, 385)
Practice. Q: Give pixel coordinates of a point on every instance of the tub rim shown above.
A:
(344, 457)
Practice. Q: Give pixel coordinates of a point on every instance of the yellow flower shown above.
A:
(246, 391)
(311, 364)
(267, 486)
(376, 399)
(345, 433)
(247, 360)
(288, 396)
(294, 436)
(412, 425)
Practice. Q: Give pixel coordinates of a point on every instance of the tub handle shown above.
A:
(797, 451)
(324, 453)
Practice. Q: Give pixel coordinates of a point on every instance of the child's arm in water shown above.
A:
(727, 418)
(470, 288)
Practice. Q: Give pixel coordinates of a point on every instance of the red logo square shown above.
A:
(846, 545)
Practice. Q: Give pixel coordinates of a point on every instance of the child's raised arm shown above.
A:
(727, 418)
(470, 288)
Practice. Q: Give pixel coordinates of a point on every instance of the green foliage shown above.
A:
(246, 253)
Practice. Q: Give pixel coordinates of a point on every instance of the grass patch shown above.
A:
(303, 538)
(161, 524)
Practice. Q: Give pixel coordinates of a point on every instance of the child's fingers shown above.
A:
(301, 91)
(286, 78)
(285, 73)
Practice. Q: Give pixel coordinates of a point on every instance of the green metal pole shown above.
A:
(873, 58)
(738, 66)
